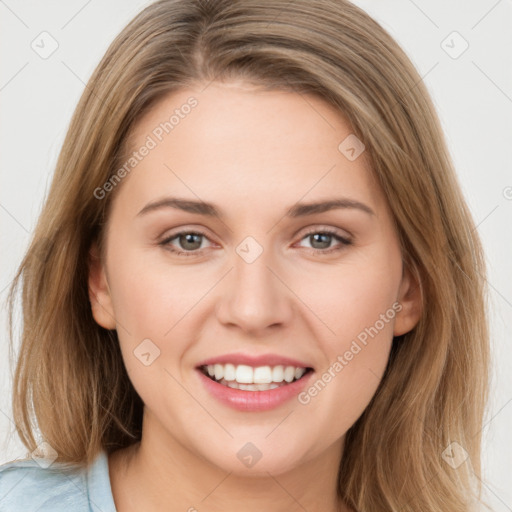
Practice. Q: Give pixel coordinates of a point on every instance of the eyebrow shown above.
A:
(297, 210)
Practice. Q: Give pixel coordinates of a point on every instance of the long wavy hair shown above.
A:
(70, 386)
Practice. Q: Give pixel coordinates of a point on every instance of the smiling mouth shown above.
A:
(247, 378)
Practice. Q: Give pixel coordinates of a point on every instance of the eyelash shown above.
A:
(344, 242)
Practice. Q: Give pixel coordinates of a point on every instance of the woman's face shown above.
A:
(265, 282)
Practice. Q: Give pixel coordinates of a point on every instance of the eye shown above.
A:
(188, 240)
(320, 240)
(191, 242)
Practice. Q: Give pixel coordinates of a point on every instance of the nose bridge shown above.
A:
(254, 298)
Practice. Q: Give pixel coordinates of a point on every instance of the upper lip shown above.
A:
(255, 361)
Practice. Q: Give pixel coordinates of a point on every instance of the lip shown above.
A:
(254, 401)
(255, 361)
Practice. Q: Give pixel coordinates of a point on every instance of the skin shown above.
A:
(254, 154)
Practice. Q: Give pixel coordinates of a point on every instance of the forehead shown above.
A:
(245, 118)
(230, 142)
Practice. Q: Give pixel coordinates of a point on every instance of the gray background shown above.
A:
(472, 93)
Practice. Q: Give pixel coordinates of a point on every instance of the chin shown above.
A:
(252, 458)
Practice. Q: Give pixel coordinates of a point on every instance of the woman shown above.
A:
(250, 370)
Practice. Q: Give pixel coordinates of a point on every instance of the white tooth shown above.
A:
(262, 375)
(244, 374)
(233, 385)
(273, 386)
(289, 373)
(229, 372)
(277, 374)
(219, 371)
(245, 387)
(299, 372)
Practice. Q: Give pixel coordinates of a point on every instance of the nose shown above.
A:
(255, 297)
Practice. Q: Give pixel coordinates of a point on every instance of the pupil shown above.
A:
(324, 244)
(189, 238)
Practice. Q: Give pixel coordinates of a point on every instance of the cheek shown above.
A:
(352, 296)
(356, 357)
(365, 298)
(358, 304)
(149, 293)
(152, 300)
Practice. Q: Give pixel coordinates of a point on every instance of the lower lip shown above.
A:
(243, 400)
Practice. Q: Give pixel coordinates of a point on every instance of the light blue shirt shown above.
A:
(26, 486)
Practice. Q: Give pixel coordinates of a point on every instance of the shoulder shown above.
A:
(28, 485)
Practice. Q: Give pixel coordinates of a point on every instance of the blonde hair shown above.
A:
(70, 381)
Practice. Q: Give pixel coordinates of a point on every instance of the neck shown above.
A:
(160, 473)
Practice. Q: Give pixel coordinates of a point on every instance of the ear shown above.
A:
(409, 297)
(99, 291)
